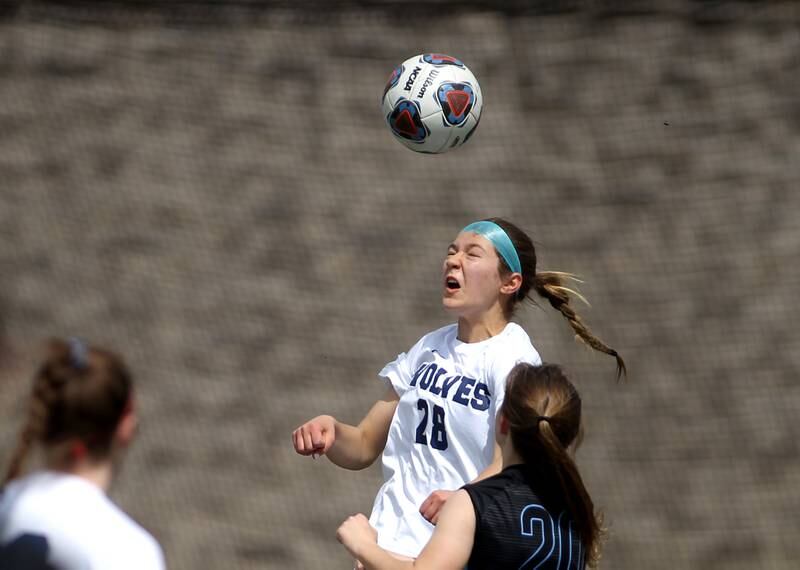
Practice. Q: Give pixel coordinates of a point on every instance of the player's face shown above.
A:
(471, 280)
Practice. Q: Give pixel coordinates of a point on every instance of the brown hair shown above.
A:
(79, 393)
(549, 285)
(543, 409)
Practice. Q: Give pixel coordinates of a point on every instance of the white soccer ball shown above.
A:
(432, 103)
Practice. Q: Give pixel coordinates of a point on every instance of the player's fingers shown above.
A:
(298, 441)
(436, 502)
(340, 532)
(324, 437)
(302, 444)
(317, 437)
(345, 529)
(309, 445)
(425, 504)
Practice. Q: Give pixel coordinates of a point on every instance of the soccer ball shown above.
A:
(432, 103)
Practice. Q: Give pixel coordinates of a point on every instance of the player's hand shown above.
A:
(315, 437)
(355, 533)
(432, 506)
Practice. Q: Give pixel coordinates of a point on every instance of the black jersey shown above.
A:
(515, 530)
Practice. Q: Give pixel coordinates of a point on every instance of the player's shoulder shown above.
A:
(514, 345)
(459, 505)
(104, 529)
(482, 493)
(8, 494)
(39, 498)
(514, 333)
(119, 525)
(135, 550)
(46, 503)
(124, 538)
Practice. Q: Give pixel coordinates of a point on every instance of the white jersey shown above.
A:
(55, 521)
(442, 433)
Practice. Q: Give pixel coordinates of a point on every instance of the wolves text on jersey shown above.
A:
(456, 387)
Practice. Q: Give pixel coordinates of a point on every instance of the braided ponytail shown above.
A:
(29, 434)
(47, 391)
(550, 285)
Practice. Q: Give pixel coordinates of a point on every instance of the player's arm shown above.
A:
(449, 548)
(351, 447)
(358, 447)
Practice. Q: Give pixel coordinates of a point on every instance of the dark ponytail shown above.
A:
(544, 414)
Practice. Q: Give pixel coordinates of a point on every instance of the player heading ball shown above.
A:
(435, 423)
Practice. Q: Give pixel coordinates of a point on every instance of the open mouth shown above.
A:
(452, 284)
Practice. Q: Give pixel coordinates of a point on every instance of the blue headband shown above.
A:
(500, 240)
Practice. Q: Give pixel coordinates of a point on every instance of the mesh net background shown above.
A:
(210, 188)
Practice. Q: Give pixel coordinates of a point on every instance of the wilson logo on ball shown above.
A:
(406, 122)
(393, 79)
(441, 59)
(456, 100)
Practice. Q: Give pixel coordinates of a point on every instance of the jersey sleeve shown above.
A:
(398, 372)
(155, 557)
(158, 559)
(145, 553)
(395, 374)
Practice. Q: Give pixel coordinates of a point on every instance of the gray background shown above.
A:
(213, 192)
